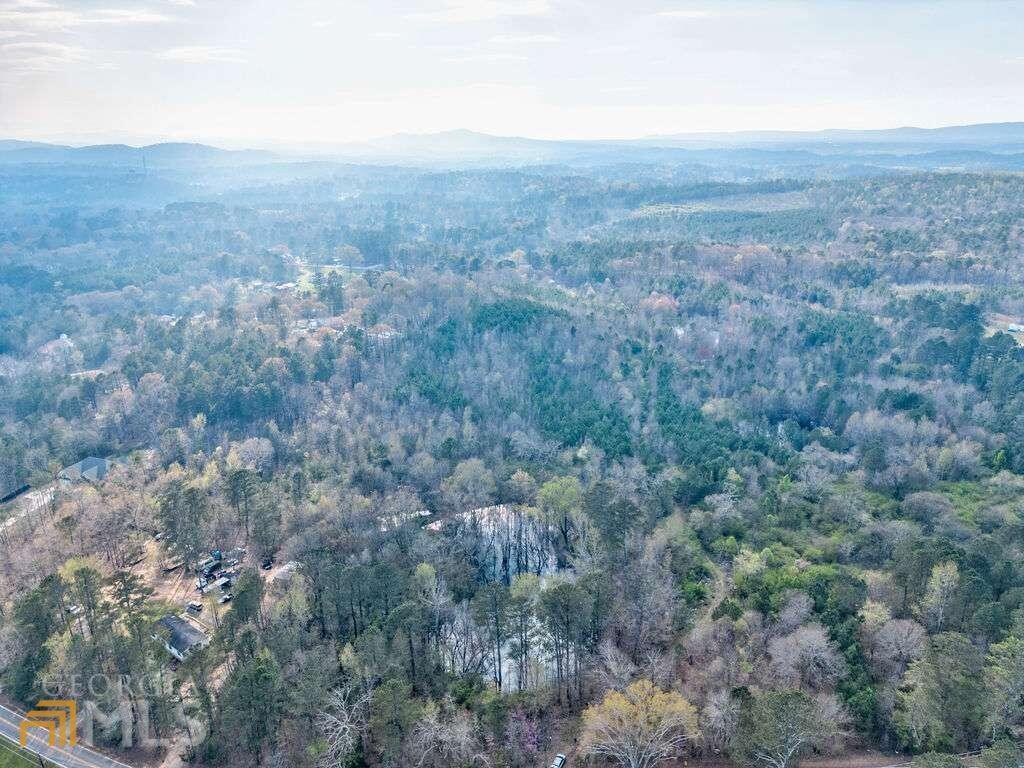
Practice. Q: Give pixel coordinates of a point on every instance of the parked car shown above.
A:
(559, 761)
(267, 564)
(225, 598)
(194, 607)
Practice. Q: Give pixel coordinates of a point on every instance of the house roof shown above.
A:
(182, 636)
(90, 468)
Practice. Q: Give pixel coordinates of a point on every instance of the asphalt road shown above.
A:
(78, 756)
(29, 504)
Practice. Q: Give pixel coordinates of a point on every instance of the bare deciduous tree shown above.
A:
(806, 658)
(343, 722)
(777, 727)
(894, 646)
(440, 741)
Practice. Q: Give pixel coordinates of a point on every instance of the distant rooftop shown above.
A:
(91, 469)
(182, 637)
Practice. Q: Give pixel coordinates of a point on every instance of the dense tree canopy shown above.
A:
(680, 459)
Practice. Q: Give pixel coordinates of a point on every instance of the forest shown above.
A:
(447, 467)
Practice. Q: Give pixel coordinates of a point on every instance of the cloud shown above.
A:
(608, 49)
(683, 13)
(10, 34)
(524, 39)
(462, 11)
(480, 57)
(203, 54)
(41, 14)
(479, 53)
(126, 16)
(40, 56)
(636, 88)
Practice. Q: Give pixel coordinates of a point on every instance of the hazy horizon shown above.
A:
(270, 144)
(257, 74)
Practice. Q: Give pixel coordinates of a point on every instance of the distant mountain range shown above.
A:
(170, 154)
(983, 146)
(897, 146)
(966, 136)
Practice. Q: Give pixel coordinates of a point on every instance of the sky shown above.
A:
(274, 72)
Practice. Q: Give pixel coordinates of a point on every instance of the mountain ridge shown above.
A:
(994, 145)
(974, 132)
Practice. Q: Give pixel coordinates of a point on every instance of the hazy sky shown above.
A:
(314, 70)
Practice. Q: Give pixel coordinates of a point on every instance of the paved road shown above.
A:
(78, 756)
(29, 503)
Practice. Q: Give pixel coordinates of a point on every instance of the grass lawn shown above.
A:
(13, 756)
